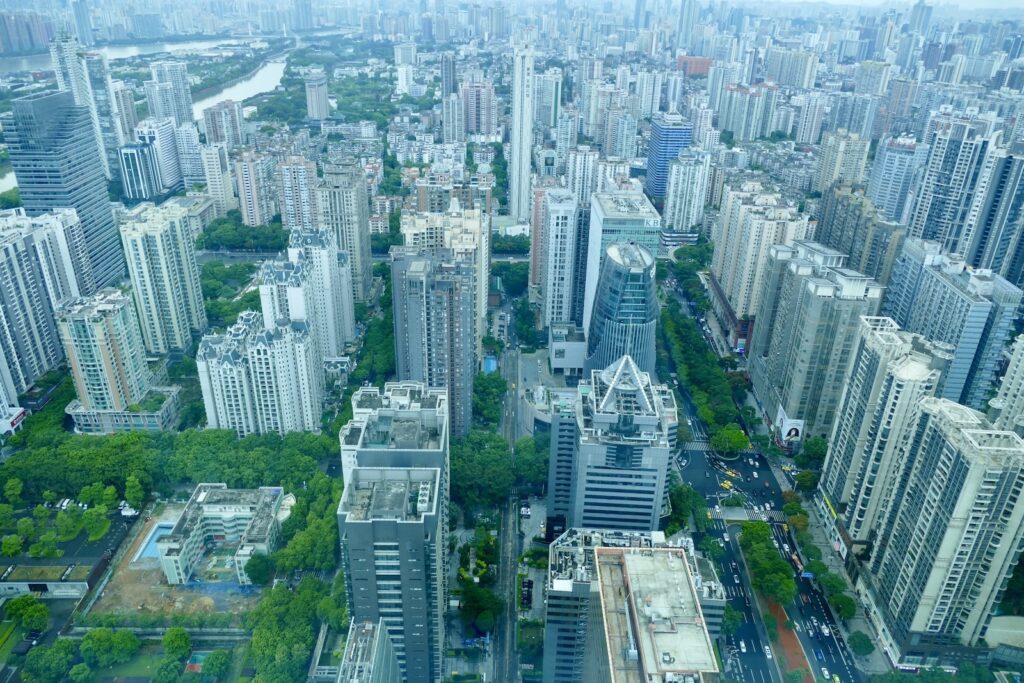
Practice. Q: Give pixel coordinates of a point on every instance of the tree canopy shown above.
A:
(482, 465)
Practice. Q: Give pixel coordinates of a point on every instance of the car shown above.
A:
(819, 654)
(824, 631)
(743, 647)
(824, 672)
(754, 475)
(785, 546)
(689, 422)
(735, 578)
(836, 679)
(767, 652)
(775, 543)
(725, 537)
(718, 508)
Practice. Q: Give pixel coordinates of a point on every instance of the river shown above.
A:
(41, 62)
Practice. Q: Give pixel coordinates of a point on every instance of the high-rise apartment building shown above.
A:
(521, 148)
(296, 195)
(547, 97)
(480, 108)
(190, 159)
(794, 68)
(393, 519)
(83, 22)
(844, 155)
(848, 222)
(342, 207)
(369, 655)
(898, 166)
(948, 537)
(140, 173)
(57, 243)
(620, 411)
(223, 124)
(670, 134)
(616, 217)
(318, 107)
(566, 132)
(1007, 408)
(57, 163)
(804, 335)
(449, 80)
(812, 114)
(175, 101)
(994, 234)
(872, 78)
(686, 191)
(559, 209)
(217, 171)
(747, 112)
(933, 294)
(254, 175)
(434, 315)
(625, 316)
(649, 85)
(258, 381)
(581, 172)
(453, 120)
(890, 372)
(160, 251)
(751, 221)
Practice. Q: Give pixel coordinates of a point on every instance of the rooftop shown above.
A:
(398, 494)
(360, 648)
(654, 626)
(625, 205)
(99, 305)
(261, 505)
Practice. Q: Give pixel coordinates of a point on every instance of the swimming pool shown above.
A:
(149, 549)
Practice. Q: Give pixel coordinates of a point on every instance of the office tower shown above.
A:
(331, 296)
(342, 207)
(795, 68)
(581, 172)
(480, 106)
(747, 112)
(405, 53)
(302, 15)
(844, 156)
(186, 140)
(686, 191)
(1007, 408)
(920, 17)
(574, 644)
(453, 119)
(522, 134)
(994, 234)
(890, 372)
(895, 172)
(464, 234)
(317, 105)
(849, 223)
(160, 135)
(812, 114)
(217, 171)
(804, 335)
(160, 252)
(618, 410)
(566, 132)
(625, 315)
(369, 655)
(449, 82)
(434, 307)
(670, 134)
(616, 217)
(175, 102)
(620, 141)
(92, 88)
(254, 174)
(223, 124)
(751, 221)
(933, 294)
(260, 381)
(83, 23)
(949, 539)
(559, 210)
(107, 360)
(648, 90)
(872, 78)
(57, 165)
(547, 97)
(720, 76)
(140, 175)
(403, 431)
(124, 101)
(956, 168)
(296, 193)
(689, 13)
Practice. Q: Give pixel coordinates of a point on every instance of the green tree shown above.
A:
(177, 643)
(48, 664)
(482, 463)
(95, 522)
(133, 492)
(844, 605)
(731, 620)
(36, 617)
(831, 584)
(860, 643)
(709, 546)
(12, 491)
(15, 607)
(109, 498)
(514, 276)
(41, 514)
(80, 673)
(10, 545)
(799, 522)
(69, 523)
(217, 664)
(806, 480)
(259, 569)
(168, 671)
(103, 647)
(46, 546)
(531, 465)
(6, 516)
(488, 391)
(797, 675)
(729, 440)
(26, 529)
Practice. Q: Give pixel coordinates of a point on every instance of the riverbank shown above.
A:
(214, 90)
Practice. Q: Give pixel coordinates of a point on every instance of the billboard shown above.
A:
(790, 431)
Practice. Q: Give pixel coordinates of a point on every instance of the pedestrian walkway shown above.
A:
(746, 514)
(704, 446)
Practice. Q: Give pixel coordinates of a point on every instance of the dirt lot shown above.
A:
(139, 585)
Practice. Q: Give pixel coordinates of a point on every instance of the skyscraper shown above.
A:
(795, 68)
(160, 251)
(177, 103)
(521, 149)
(670, 134)
(254, 174)
(804, 335)
(890, 372)
(217, 171)
(686, 191)
(843, 158)
(1007, 407)
(160, 135)
(625, 315)
(548, 97)
(83, 23)
(296, 195)
(994, 234)
(933, 294)
(617, 410)
(190, 159)
(453, 119)
(140, 174)
(848, 222)
(434, 306)
(449, 82)
(557, 277)
(317, 105)
(342, 207)
(223, 123)
(57, 163)
(688, 14)
(897, 168)
(480, 107)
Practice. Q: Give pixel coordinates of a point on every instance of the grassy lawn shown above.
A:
(144, 664)
(14, 639)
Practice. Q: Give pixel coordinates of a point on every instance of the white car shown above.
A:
(767, 652)
(824, 672)
(743, 647)
(754, 474)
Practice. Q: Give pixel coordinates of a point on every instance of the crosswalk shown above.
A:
(704, 446)
(774, 516)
